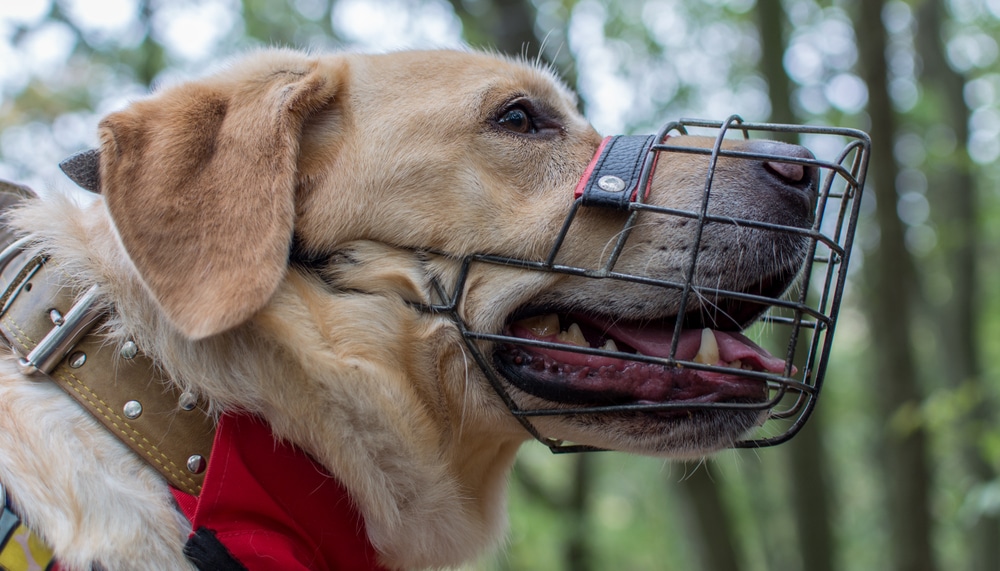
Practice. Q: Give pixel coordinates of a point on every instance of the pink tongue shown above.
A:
(732, 346)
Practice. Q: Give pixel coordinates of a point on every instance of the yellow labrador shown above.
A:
(379, 174)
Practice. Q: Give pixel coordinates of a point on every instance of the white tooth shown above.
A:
(737, 364)
(573, 336)
(708, 353)
(541, 325)
(609, 345)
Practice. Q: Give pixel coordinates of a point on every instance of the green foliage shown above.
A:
(637, 64)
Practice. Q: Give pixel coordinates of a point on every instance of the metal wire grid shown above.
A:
(791, 394)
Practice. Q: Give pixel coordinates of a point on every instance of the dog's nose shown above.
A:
(789, 172)
(793, 173)
(796, 178)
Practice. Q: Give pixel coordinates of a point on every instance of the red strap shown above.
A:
(612, 178)
(273, 507)
(580, 186)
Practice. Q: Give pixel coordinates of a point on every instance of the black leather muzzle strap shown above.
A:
(613, 175)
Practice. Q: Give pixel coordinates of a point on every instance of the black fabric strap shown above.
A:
(207, 553)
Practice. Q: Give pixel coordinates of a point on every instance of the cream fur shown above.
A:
(361, 158)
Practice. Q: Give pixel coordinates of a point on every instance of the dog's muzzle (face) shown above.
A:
(690, 355)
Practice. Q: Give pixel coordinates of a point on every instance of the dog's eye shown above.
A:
(518, 120)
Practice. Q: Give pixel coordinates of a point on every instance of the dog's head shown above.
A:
(445, 155)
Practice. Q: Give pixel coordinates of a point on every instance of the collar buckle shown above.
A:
(65, 334)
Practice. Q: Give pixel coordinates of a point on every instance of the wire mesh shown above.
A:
(798, 326)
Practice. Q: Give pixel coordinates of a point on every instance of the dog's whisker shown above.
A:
(539, 57)
(610, 243)
(465, 393)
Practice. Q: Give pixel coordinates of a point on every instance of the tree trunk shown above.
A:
(771, 28)
(151, 59)
(810, 496)
(953, 192)
(713, 534)
(891, 283)
(506, 25)
(578, 554)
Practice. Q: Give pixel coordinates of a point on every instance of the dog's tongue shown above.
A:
(576, 377)
(731, 346)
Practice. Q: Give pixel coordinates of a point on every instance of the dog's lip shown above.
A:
(579, 378)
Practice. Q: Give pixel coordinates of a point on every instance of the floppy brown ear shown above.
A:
(200, 182)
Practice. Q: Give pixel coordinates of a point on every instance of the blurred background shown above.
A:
(898, 469)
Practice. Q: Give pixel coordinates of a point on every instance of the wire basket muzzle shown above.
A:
(795, 321)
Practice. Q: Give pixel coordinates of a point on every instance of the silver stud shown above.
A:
(196, 464)
(611, 183)
(187, 400)
(132, 409)
(129, 350)
(76, 360)
(56, 317)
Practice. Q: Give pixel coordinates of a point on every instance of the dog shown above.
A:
(270, 236)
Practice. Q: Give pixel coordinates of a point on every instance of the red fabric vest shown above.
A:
(274, 507)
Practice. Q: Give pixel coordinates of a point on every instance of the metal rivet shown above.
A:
(611, 183)
(129, 350)
(56, 317)
(187, 400)
(196, 464)
(76, 360)
(132, 409)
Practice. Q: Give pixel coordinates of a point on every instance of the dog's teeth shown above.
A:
(609, 345)
(708, 353)
(541, 325)
(573, 336)
(737, 364)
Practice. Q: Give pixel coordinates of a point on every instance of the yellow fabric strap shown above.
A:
(21, 549)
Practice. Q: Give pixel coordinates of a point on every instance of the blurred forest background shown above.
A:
(900, 467)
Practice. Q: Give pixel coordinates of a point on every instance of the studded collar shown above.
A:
(55, 332)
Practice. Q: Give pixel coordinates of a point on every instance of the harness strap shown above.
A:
(268, 505)
(20, 548)
(207, 553)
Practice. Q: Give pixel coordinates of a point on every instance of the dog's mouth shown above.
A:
(616, 373)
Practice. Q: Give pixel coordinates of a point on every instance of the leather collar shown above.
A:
(119, 386)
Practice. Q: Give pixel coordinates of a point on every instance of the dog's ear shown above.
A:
(200, 182)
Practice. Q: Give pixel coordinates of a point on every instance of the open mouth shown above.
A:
(615, 375)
